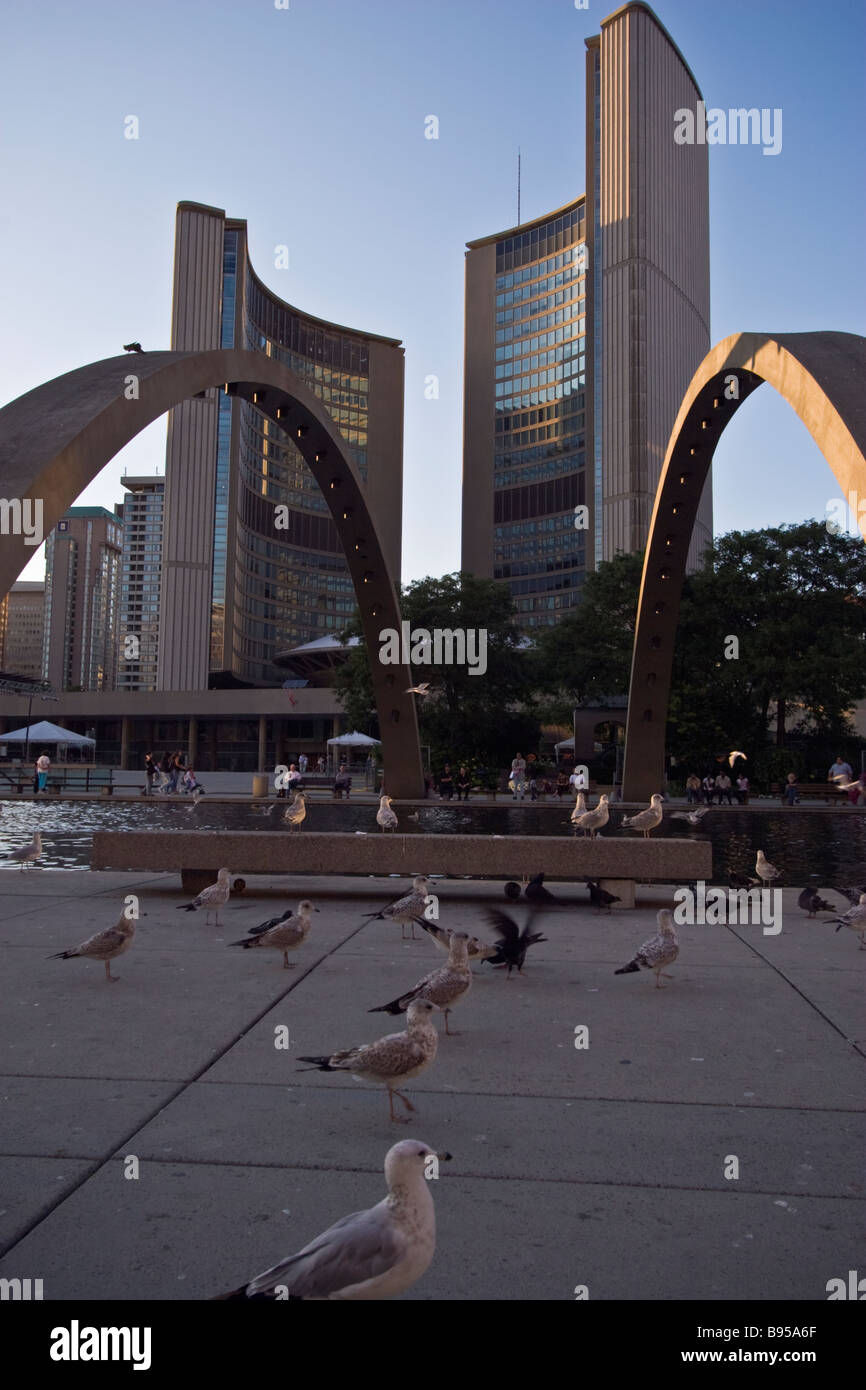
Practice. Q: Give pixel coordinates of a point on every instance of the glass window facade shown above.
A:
(290, 585)
(540, 420)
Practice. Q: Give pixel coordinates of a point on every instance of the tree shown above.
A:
(470, 716)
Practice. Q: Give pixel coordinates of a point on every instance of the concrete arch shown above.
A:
(55, 439)
(821, 376)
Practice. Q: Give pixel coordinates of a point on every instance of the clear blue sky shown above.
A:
(309, 122)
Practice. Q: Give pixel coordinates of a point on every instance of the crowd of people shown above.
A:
(717, 787)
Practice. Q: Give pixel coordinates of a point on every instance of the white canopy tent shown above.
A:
(353, 741)
(43, 733)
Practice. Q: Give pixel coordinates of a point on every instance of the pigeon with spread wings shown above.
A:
(513, 943)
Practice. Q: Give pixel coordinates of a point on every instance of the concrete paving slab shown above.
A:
(30, 1190)
(619, 1142)
(190, 1232)
(75, 1116)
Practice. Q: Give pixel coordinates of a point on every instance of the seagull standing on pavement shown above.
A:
(372, 1254)
(385, 817)
(444, 987)
(660, 950)
(212, 898)
(104, 945)
(284, 933)
(647, 820)
(397, 1057)
(476, 949)
(854, 919)
(406, 910)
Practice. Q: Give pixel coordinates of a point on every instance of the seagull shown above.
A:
(579, 808)
(406, 909)
(422, 689)
(599, 897)
(811, 903)
(734, 754)
(372, 1254)
(104, 945)
(297, 811)
(212, 898)
(132, 347)
(513, 943)
(28, 854)
(660, 950)
(594, 820)
(536, 892)
(647, 820)
(844, 786)
(397, 1057)
(385, 817)
(855, 918)
(852, 894)
(765, 871)
(693, 817)
(284, 933)
(443, 987)
(476, 949)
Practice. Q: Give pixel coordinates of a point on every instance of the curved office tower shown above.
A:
(583, 330)
(236, 588)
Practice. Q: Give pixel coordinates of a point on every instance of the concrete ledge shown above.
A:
(484, 856)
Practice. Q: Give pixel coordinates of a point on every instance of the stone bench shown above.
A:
(197, 854)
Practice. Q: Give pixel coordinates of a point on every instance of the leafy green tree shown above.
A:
(466, 717)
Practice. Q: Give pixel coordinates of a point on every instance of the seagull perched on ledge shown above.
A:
(372, 1254)
(104, 945)
(28, 854)
(212, 898)
(579, 808)
(385, 817)
(647, 820)
(296, 813)
(660, 950)
(593, 820)
(132, 347)
(397, 1057)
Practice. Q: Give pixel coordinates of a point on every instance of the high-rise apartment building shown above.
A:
(142, 513)
(22, 617)
(237, 590)
(82, 600)
(583, 330)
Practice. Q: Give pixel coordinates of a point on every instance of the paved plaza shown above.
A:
(601, 1166)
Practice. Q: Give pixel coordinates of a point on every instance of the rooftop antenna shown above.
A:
(518, 185)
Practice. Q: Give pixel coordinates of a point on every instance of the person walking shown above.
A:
(43, 766)
(177, 771)
(149, 774)
(518, 777)
(561, 784)
(464, 784)
(320, 763)
(303, 764)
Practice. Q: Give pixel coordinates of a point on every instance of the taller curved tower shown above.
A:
(583, 330)
(238, 586)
